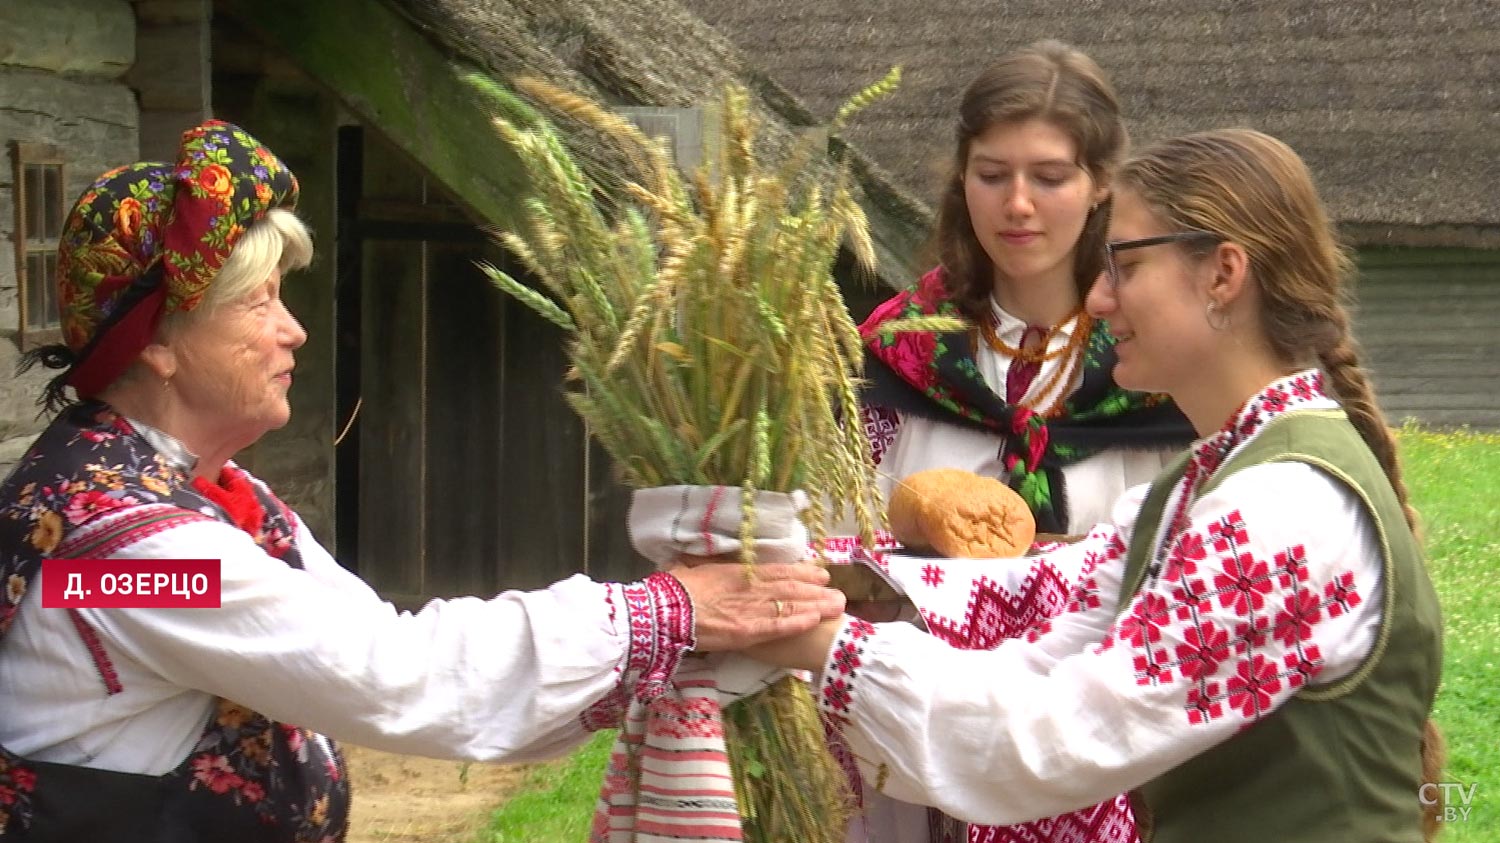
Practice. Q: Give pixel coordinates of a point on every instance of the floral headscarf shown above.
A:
(146, 240)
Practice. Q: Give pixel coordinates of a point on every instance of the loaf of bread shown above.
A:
(956, 513)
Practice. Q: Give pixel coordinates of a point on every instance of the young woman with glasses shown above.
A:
(1255, 647)
(1026, 396)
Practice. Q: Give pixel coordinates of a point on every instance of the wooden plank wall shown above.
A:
(542, 505)
(466, 425)
(391, 425)
(472, 471)
(1429, 320)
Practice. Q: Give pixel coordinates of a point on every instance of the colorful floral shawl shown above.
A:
(248, 778)
(935, 375)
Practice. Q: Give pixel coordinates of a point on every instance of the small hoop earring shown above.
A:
(1211, 312)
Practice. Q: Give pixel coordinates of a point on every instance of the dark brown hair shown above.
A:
(1051, 81)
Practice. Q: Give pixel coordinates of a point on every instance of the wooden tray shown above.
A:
(860, 584)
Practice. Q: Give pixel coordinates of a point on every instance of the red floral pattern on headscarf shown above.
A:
(183, 218)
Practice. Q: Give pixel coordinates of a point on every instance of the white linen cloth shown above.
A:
(667, 521)
(669, 777)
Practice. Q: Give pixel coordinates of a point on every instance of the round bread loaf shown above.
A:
(957, 513)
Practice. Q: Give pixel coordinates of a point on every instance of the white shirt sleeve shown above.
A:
(508, 678)
(1274, 585)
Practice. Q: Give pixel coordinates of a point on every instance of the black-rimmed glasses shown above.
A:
(1195, 236)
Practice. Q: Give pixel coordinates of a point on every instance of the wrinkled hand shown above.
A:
(732, 611)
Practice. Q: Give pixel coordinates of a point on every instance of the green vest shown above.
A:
(1338, 761)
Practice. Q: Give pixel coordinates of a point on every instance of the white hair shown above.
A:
(279, 240)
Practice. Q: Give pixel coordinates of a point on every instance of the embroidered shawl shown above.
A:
(935, 375)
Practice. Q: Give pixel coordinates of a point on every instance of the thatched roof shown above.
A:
(1395, 104)
(652, 53)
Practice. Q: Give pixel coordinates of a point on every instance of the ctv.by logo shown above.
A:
(1456, 799)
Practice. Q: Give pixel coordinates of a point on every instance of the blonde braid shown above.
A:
(1434, 757)
(1351, 385)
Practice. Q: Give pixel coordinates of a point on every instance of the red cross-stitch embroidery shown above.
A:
(837, 697)
(690, 717)
(1252, 686)
(838, 679)
(881, 425)
(1340, 595)
(1107, 822)
(1246, 624)
(1110, 548)
(1085, 594)
(995, 613)
(1219, 613)
(846, 659)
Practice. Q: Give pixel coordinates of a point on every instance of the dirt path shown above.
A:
(406, 799)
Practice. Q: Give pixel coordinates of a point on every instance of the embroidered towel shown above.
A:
(668, 779)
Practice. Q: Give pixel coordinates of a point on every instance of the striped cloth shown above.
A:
(668, 779)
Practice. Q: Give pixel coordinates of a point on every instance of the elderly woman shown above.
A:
(175, 724)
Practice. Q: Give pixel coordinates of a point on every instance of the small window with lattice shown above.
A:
(39, 219)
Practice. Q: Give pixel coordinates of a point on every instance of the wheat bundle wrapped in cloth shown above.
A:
(714, 359)
(669, 777)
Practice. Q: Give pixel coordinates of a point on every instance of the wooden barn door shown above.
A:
(465, 472)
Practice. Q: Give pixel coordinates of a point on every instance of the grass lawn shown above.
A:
(556, 804)
(1455, 482)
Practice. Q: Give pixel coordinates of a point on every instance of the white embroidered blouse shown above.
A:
(1273, 583)
(513, 677)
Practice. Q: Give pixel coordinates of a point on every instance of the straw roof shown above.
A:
(656, 53)
(1395, 104)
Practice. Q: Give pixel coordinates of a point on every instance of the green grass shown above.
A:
(1455, 483)
(556, 802)
(1454, 480)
